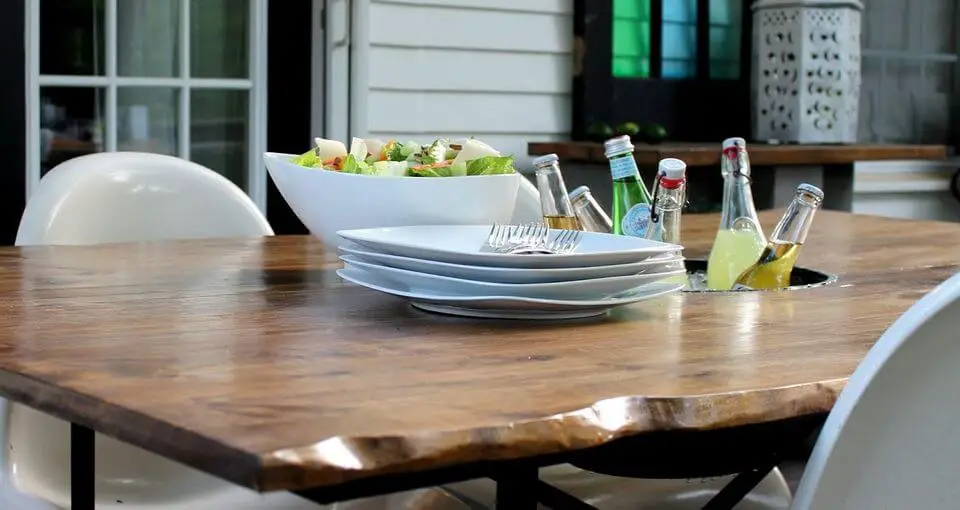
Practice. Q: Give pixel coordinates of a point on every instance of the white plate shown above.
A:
(596, 288)
(505, 307)
(512, 274)
(461, 244)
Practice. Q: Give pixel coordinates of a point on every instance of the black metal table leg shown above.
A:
(517, 487)
(737, 489)
(82, 464)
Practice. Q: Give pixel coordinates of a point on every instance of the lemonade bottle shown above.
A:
(740, 238)
(772, 269)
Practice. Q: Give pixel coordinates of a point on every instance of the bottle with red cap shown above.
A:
(668, 198)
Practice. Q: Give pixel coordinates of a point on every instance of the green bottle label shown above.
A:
(636, 221)
(623, 167)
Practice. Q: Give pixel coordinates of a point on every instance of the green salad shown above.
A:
(441, 158)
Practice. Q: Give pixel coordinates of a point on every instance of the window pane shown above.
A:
(679, 68)
(71, 37)
(147, 119)
(219, 38)
(679, 39)
(631, 9)
(148, 38)
(725, 12)
(71, 123)
(682, 11)
(724, 69)
(630, 67)
(631, 38)
(218, 132)
(724, 43)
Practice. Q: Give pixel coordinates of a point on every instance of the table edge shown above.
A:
(341, 459)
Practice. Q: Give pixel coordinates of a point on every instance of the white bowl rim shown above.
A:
(285, 157)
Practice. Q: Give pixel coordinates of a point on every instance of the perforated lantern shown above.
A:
(806, 70)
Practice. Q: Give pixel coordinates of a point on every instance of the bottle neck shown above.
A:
(668, 198)
(623, 166)
(737, 200)
(554, 200)
(795, 222)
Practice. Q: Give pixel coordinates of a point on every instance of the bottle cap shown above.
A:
(812, 190)
(672, 168)
(617, 145)
(575, 194)
(734, 142)
(547, 159)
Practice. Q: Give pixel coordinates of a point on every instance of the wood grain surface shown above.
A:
(702, 154)
(249, 359)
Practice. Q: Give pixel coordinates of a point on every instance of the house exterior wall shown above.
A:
(500, 70)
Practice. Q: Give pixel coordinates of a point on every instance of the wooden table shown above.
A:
(250, 360)
(835, 163)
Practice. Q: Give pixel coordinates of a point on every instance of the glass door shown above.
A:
(179, 77)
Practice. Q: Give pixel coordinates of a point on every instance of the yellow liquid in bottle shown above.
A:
(563, 222)
(733, 252)
(772, 270)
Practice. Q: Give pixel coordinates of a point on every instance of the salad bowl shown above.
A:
(329, 201)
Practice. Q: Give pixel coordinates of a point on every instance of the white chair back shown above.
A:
(891, 439)
(105, 198)
(131, 197)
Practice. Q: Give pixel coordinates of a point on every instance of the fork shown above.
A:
(565, 242)
(504, 238)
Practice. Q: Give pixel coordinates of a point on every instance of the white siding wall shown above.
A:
(499, 70)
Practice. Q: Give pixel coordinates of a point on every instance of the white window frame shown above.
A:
(256, 85)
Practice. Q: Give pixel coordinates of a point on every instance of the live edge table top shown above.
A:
(249, 359)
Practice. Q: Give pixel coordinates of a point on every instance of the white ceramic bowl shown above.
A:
(330, 201)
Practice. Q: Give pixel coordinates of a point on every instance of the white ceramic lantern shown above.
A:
(806, 70)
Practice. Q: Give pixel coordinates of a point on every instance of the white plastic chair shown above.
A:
(133, 197)
(891, 440)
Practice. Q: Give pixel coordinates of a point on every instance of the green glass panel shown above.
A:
(724, 43)
(631, 38)
(629, 67)
(631, 9)
(725, 12)
(724, 69)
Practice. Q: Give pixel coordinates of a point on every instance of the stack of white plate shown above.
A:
(447, 269)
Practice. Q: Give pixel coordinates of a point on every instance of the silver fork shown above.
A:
(565, 242)
(504, 238)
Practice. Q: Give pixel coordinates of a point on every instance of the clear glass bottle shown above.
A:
(740, 238)
(772, 269)
(631, 200)
(592, 217)
(555, 204)
(668, 198)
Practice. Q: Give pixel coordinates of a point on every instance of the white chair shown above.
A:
(130, 196)
(891, 440)
(133, 197)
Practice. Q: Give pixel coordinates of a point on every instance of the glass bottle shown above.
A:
(668, 198)
(740, 238)
(631, 200)
(592, 217)
(772, 269)
(554, 202)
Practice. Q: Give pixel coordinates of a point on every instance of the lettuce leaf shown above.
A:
(308, 159)
(352, 166)
(491, 165)
(401, 152)
(457, 170)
